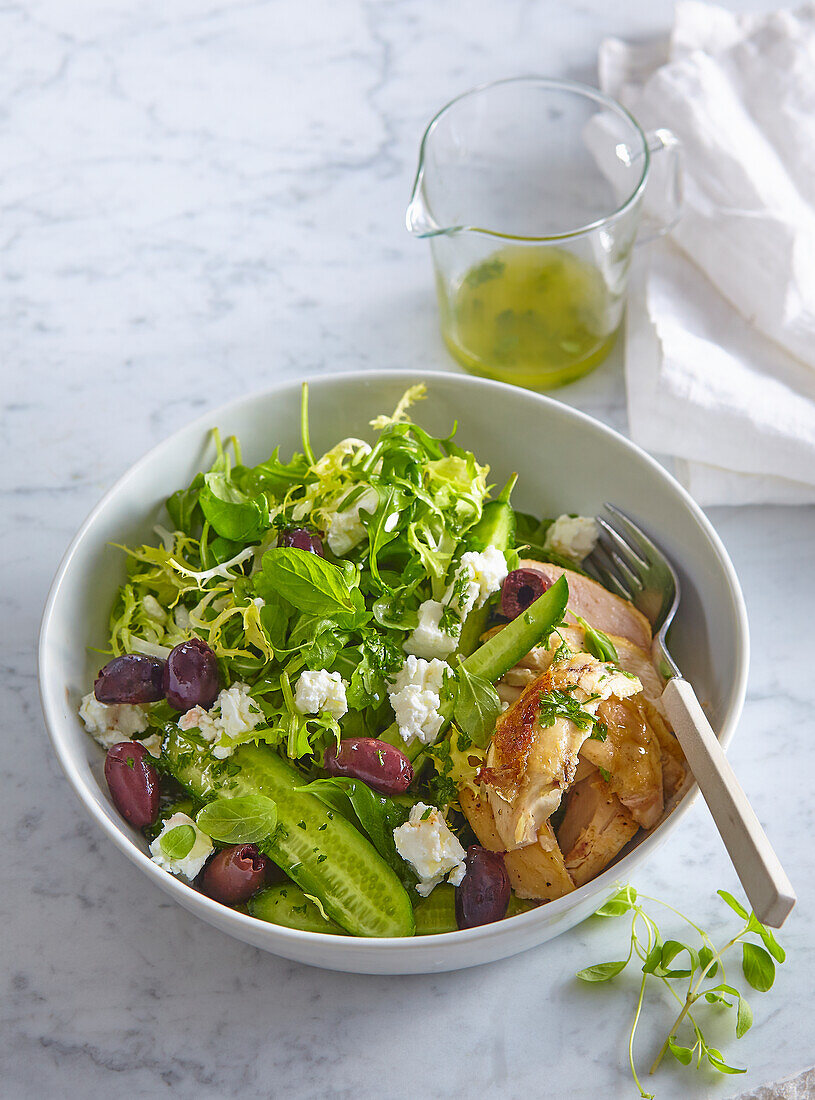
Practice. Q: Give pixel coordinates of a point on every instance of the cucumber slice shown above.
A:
(437, 912)
(322, 852)
(289, 906)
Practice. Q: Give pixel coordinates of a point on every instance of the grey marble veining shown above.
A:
(195, 201)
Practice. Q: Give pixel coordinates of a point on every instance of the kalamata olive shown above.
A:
(380, 765)
(301, 538)
(234, 874)
(191, 675)
(133, 783)
(520, 589)
(483, 895)
(130, 679)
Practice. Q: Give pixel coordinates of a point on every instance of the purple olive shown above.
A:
(234, 874)
(191, 675)
(301, 538)
(520, 589)
(483, 895)
(130, 679)
(133, 783)
(380, 765)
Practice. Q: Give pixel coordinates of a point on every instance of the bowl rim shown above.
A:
(220, 915)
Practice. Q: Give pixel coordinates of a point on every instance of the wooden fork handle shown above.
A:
(762, 876)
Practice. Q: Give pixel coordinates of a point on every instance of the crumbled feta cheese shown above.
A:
(573, 536)
(428, 640)
(232, 714)
(415, 696)
(321, 690)
(427, 843)
(345, 528)
(109, 723)
(488, 570)
(152, 744)
(194, 860)
(478, 576)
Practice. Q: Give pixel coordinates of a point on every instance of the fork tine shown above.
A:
(632, 580)
(620, 543)
(645, 549)
(608, 576)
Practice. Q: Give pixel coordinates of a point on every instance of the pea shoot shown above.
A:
(689, 973)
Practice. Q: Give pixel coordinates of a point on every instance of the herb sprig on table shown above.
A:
(690, 974)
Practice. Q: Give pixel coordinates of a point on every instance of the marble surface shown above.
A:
(197, 200)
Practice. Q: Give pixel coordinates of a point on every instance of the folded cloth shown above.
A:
(720, 336)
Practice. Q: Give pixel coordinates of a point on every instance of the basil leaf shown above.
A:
(682, 1054)
(744, 1020)
(597, 643)
(769, 940)
(736, 906)
(231, 513)
(705, 956)
(309, 582)
(602, 972)
(758, 967)
(622, 902)
(247, 819)
(477, 706)
(178, 842)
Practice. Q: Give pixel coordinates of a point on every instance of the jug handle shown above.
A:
(662, 141)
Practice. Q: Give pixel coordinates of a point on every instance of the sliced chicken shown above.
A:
(674, 770)
(530, 764)
(631, 658)
(535, 871)
(632, 756)
(598, 606)
(594, 829)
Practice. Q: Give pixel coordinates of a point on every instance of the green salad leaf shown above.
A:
(177, 842)
(246, 819)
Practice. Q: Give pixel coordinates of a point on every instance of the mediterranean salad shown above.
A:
(360, 693)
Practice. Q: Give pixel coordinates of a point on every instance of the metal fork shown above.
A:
(627, 562)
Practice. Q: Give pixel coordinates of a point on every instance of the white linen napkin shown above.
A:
(720, 336)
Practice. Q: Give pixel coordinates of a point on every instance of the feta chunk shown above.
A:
(321, 690)
(415, 696)
(428, 845)
(573, 536)
(190, 865)
(152, 744)
(428, 639)
(233, 714)
(345, 528)
(477, 577)
(488, 570)
(110, 723)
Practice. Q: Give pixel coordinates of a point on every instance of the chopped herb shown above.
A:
(427, 813)
(606, 774)
(320, 858)
(301, 825)
(560, 704)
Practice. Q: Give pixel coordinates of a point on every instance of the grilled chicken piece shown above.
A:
(598, 606)
(674, 769)
(632, 755)
(529, 765)
(631, 658)
(534, 872)
(594, 829)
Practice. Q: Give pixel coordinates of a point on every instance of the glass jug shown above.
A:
(531, 193)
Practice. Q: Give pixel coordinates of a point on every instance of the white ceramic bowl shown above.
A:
(566, 461)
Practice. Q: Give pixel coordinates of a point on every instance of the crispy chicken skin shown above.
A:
(534, 872)
(632, 755)
(530, 764)
(595, 827)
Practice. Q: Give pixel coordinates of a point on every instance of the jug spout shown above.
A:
(418, 219)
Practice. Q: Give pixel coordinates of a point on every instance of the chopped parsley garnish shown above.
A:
(556, 704)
